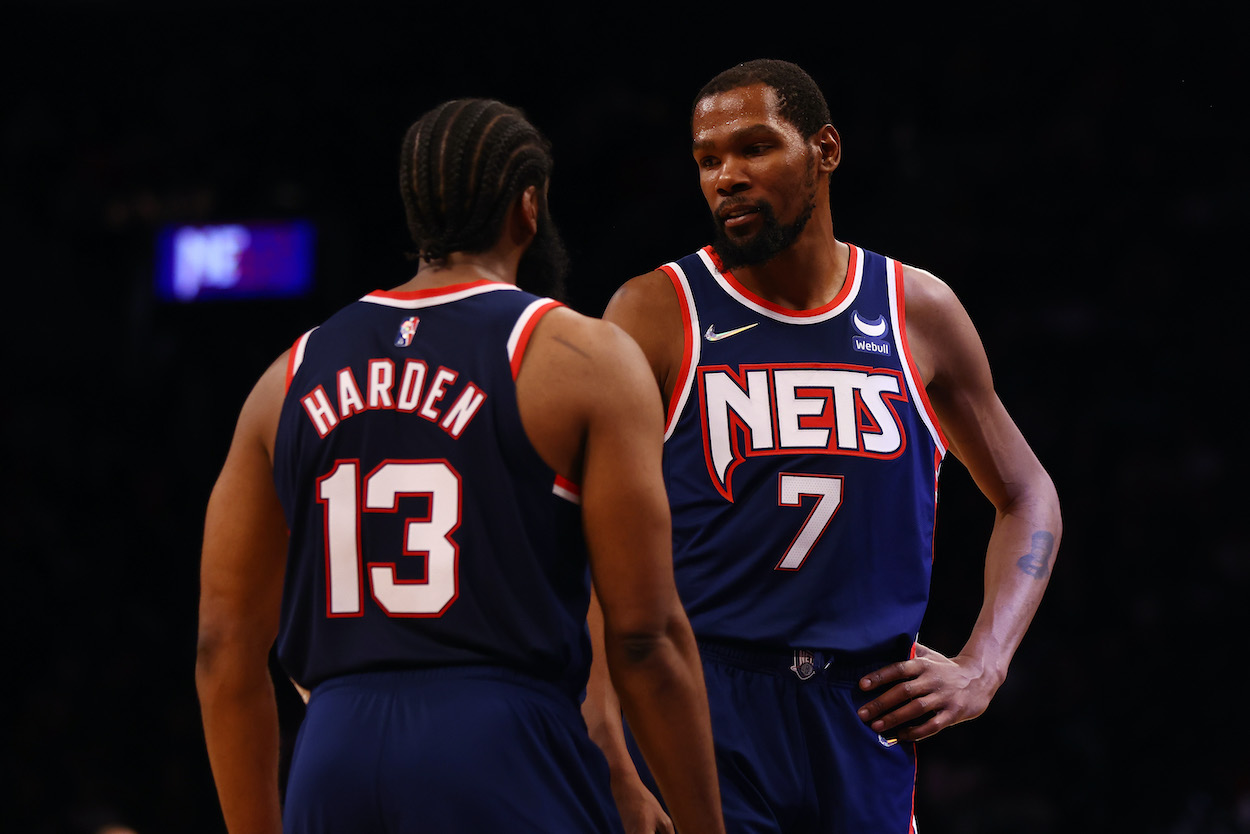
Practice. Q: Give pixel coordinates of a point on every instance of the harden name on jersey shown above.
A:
(414, 389)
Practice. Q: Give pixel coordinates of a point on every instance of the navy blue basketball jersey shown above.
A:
(426, 531)
(801, 460)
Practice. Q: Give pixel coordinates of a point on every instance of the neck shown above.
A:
(463, 268)
(807, 275)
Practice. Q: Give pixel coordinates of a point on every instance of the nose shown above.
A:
(731, 178)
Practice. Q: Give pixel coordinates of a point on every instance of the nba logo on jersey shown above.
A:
(407, 329)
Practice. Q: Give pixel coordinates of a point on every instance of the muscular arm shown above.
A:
(641, 812)
(646, 308)
(241, 568)
(649, 646)
(1022, 545)
(580, 366)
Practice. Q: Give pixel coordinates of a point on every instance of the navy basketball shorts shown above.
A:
(791, 753)
(445, 750)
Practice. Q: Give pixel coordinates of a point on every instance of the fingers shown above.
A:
(658, 823)
(876, 712)
(929, 693)
(891, 699)
(902, 670)
(912, 705)
(889, 713)
(643, 814)
(927, 725)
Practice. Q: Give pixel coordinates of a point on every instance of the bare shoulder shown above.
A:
(579, 372)
(648, 309)
(258, 420)
(642, 296)
(927, 296)
(944, 343)
(582, 345)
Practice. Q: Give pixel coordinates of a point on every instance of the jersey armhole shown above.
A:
(910, 371)
(295, 359)
(689, 348)
(519, 339)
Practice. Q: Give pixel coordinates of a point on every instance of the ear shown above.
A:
(521, 225)
(829, 145)
(529, 208)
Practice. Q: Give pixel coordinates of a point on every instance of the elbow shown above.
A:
(1036, 500)
(210, 654)
(637, 648)
(226, 662)
(640, 642)
(1050, 498)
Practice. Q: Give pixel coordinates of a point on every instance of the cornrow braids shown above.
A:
(799, 99)
(462, 166)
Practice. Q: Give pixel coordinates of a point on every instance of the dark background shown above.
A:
(1078, 177)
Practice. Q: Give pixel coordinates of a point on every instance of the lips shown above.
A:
(736, 215)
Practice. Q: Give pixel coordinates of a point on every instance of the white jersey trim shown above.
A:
(297, 355)
(918, 397)
(569, 491)
(681, 391)
(522, 323)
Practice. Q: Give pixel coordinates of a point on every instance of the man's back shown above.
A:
(416, 456)
(426, 530)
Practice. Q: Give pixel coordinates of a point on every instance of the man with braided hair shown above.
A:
(453, 458)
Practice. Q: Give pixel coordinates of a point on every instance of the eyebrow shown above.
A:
(737, 134)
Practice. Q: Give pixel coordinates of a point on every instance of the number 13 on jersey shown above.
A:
(347, 502)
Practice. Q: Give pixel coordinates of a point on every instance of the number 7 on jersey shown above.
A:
(791, 490)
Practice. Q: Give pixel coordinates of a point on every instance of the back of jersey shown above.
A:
(425, 529)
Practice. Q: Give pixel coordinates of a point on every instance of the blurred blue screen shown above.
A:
(272, 259)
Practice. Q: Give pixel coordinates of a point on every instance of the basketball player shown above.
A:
(444, 455)
(812, 390)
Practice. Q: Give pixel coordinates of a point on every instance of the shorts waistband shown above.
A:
(399, 678)
(842, 667)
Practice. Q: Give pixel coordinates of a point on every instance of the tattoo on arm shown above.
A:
(1036, 563)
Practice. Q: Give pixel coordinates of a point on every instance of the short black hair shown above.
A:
(461, 167)
(799, 98)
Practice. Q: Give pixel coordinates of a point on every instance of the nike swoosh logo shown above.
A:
(712, 336)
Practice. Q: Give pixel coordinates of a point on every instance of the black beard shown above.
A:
(545, 262)
(771, 240)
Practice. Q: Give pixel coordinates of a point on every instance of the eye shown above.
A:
(708, 162)
(757, 149)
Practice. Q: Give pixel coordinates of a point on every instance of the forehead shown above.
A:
(721, 115)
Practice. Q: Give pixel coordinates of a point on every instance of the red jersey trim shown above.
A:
(566, 489)
(918, 384)
(685, 302)
(294, 359)
(434, 292)
(524, 328)
(415, 299)
(848, 283)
